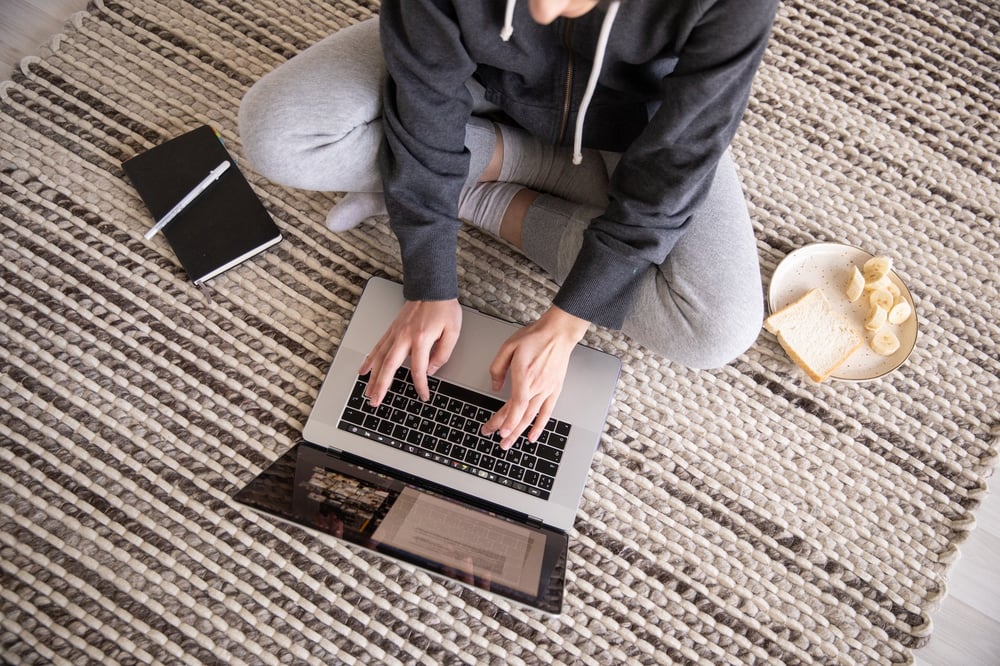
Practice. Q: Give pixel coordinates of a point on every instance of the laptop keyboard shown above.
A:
(446, 430)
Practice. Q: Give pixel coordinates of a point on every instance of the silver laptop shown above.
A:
(416, 480)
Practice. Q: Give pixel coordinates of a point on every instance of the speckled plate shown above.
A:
(827, 266)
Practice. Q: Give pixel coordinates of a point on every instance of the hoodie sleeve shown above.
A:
(423, 159)
(667, 170)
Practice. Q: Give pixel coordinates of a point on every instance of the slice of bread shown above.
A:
(817, 338)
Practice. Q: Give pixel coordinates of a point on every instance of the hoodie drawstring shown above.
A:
(595, 72)
(508, 21)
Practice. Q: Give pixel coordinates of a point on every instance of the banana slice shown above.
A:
(882, 283)
(855, 285)
(876, 268)
(884, 343)
(877, 317)
(897, 295)
(899, 313)
(882, 298)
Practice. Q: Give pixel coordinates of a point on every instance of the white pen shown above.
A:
(188, 198)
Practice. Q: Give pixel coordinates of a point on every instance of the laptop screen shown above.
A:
(371, 510)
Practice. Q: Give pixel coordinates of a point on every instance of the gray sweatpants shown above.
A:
(315, 123)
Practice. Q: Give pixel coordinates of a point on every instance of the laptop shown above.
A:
(416, 481)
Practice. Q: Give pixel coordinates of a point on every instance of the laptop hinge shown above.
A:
(425, 484)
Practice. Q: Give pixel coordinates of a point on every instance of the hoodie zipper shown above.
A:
(567, 97)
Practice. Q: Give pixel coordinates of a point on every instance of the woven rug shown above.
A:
(739, 516)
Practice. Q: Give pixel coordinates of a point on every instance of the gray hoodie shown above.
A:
(669, 89)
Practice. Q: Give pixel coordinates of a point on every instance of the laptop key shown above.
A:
(556, 441)
(546, 467)
(517, 485)
(549, 453)
(429, 430)
(353, 416)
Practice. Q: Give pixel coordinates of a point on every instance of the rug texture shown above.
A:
(739, 516)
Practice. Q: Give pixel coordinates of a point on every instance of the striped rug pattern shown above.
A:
(738, 516)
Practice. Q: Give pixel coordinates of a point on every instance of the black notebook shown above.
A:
(224, 226)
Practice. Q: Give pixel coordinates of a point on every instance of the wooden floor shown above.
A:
(966, 626)
(26, 24)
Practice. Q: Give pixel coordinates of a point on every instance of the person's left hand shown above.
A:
(536, 358)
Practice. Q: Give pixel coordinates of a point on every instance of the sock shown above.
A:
(549, 169)
(553, 232)
(353, 209)
(483, 204)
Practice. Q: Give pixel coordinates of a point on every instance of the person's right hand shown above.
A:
(424, 331)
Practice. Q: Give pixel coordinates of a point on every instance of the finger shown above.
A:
(544, 414)
(515, 411)
(519, 426)
(500, 365)
(382, 376)
(517, 418)
(442, 349)
(493, 423)
(418, 370)
(371, 359)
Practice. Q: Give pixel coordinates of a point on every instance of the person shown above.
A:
(592, 136)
